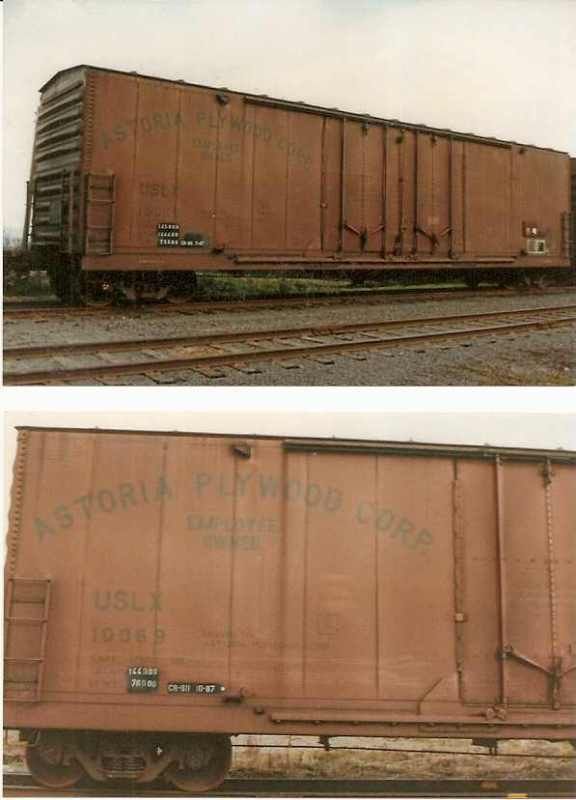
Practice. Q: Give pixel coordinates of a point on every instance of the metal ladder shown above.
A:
(25, 637)
(100, 202)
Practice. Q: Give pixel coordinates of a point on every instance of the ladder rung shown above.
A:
(31, 683)
(28, 603)
(20, 699)
(26, 683)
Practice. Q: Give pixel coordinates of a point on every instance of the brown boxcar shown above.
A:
(139, 182)
(166, 590)
(573, 242)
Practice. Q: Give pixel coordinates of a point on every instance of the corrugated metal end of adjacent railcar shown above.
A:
(54, 187)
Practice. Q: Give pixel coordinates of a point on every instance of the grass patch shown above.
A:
(221, 285)
(213, 285)
(21, 282)
(378, 765)
(18, 279)
(514, 375)
(35, 284)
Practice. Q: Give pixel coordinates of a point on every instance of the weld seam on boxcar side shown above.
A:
(550, 548)
(459, 577)
(178, 159)
(377, 558)
(158, 573)
(17, 502)
(134, 210)
(502, 595)
(85, 558)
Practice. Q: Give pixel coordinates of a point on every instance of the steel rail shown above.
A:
(315, 787)
(318, 348)
(33, 351)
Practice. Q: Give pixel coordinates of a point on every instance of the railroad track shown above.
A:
(207, 354)
(22, 785)
(49, 310)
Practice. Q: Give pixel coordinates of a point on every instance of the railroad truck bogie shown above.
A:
(76, 287)
(50, 756)
(191, 762)
(203, 763)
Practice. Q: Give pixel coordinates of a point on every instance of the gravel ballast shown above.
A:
(544, 357)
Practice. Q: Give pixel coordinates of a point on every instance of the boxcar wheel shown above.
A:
(58, 283)
(96, 290)
(66, 280)
(203, 765)
(539, 281)
(181, 286)
(46, 762)
(472, 280)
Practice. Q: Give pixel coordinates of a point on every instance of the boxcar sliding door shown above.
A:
(516, 642)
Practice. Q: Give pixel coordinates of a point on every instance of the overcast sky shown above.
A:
(503, 429)
(503, 68)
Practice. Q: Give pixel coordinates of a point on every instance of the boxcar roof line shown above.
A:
(311, 108)
(367, 446)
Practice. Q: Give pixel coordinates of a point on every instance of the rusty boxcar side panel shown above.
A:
(365, 588)
(252, 181)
